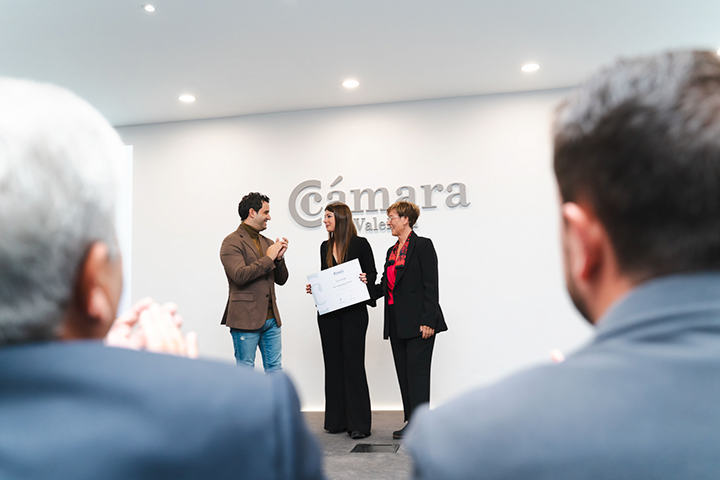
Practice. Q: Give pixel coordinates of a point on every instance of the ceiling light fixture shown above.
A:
(350, 83)
(718, 52)
(530, 67)
(148, 8)
(187, 98)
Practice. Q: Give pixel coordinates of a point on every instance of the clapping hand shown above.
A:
(277, 249)
(284, 242)
(149, 326)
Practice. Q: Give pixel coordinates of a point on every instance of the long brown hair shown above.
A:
(344, 231)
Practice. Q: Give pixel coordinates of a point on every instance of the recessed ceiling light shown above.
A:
(350, 83)
(148, 8)
(187, 98)
(530, 67)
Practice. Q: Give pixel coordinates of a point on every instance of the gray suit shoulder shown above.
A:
(611, 411)
(476, 434)
(117, 414)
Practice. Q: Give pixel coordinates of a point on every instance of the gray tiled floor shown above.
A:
(340, 464)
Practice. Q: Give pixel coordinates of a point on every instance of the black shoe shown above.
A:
(336, 431)
(397, 434)
(356, 435)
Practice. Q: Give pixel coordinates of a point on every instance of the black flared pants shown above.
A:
(347, 397)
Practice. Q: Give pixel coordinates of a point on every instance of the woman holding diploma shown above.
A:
(342, 332)
(412, 311)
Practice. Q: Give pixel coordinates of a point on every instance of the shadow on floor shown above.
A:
(340, 464)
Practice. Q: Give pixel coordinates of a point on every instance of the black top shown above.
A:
(359, 248)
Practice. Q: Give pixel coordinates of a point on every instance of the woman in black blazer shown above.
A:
(342, 332)
(412, 311)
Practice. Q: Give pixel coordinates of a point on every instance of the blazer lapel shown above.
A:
(249, 243)
(399, 272)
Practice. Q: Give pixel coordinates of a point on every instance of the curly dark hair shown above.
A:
(252, 200)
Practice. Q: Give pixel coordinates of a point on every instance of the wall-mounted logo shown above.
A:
(307, 202)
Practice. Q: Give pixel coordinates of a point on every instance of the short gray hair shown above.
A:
(59, 164)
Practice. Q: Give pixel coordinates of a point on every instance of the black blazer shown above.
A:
(359, 248)
(416, 293)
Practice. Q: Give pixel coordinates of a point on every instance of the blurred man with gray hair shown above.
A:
(637, 160)
(71, 407)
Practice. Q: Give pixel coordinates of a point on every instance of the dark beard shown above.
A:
(577, 300)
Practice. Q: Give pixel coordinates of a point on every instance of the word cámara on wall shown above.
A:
(311, 202)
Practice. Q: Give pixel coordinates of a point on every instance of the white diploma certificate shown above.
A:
(338, 287)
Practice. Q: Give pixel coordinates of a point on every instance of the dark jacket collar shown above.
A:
(399, 272)
(245, 236)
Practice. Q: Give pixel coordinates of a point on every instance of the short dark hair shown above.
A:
(252, 200)
(407, 210)
(640, 143)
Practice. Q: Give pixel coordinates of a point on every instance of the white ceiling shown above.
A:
(243, 57)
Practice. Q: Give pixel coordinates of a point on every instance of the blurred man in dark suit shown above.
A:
(71, 407)
(637, 160)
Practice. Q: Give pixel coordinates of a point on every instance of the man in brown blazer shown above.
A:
(253, 265)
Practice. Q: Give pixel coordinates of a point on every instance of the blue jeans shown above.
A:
(267, 338)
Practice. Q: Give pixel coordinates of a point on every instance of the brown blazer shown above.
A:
(251, 281)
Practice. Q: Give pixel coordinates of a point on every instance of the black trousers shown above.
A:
(412, 357)
(347, 397)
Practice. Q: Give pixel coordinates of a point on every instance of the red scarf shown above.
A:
(396, 260)
(399, 259)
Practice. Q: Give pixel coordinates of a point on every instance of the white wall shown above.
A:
(501, 283)
(123, 228)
